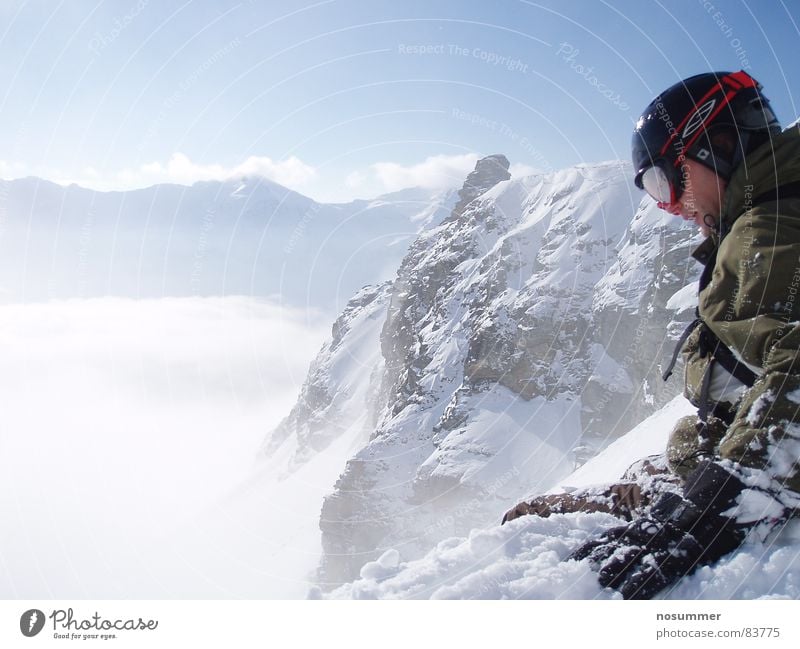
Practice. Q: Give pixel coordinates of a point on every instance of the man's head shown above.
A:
(691, 137)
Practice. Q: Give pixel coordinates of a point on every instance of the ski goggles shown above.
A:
(663, 183)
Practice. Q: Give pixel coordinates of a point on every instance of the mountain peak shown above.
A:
(487, 173)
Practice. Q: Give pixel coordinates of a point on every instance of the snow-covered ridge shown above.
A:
(338, 393)
(247, 236)
(521, 336)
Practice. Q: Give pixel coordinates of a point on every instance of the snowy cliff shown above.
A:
(520, 337)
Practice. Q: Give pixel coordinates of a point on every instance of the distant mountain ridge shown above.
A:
(247, 236)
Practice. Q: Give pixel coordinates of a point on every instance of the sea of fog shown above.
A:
(129, 438)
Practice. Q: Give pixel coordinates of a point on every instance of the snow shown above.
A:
(754, 505)
(523, 559)
(526, 558)
(648, 438)
(622, 286)
(504, 433)
(607, 372)
(762, 403)
(684, 299)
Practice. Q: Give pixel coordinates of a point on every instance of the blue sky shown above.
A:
(346, 98)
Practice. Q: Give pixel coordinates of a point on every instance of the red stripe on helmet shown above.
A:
(681, 126)
(743, 78)
(737, 80)
(733, 83)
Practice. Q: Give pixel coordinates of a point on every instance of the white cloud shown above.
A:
(180, 169)
(520, 170)
(11, 170)
(435, 172)
(355, 180)
(122, 418)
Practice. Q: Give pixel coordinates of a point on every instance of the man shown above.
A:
(709, 149)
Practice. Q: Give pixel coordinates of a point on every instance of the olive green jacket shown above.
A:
(752, 302)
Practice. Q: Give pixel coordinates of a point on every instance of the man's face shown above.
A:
(701, 200)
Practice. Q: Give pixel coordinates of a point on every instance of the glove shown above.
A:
(679, 534)
(690, 441)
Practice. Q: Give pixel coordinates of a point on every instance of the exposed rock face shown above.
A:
(639, 310)
(522, 335)
(488, 172)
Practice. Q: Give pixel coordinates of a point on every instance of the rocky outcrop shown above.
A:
(521, 336)
(487, 173)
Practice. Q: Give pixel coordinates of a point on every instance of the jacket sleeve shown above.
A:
(695, 367)
(752, 303)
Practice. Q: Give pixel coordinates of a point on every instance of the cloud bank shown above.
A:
(180, 169)
(435, 172)
(125, 420)
(438, 172)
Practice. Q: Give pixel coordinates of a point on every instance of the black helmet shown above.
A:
(691, 119)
